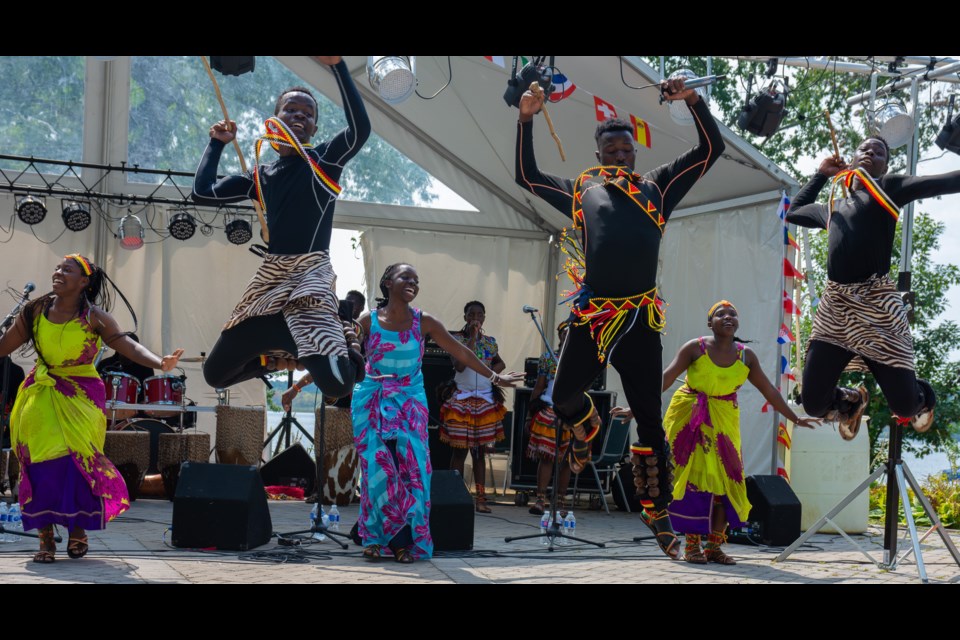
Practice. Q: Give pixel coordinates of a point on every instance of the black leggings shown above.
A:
(637, 355)
(906, 394)
(236, 357)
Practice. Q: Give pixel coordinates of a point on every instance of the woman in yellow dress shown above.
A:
(702, 425)
(58, 424)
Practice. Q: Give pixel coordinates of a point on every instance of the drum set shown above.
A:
(148, 451)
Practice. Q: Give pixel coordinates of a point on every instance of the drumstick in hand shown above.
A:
(836, 147)
(537, 91)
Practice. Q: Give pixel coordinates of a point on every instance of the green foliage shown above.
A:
(943, 494)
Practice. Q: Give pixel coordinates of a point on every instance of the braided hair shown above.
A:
(474, 303)
(387, 274)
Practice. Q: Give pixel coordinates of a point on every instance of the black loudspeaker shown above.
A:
(233, 65)
(437, 368)
(531, 367)
(292, 467)
(222, 506)
(451, 512)
(775, 514)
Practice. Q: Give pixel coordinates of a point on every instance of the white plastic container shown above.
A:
(824, 469)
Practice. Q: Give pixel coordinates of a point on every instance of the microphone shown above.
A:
(28, 288)
(529, 309)
(695, 83)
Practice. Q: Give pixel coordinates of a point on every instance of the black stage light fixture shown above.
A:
(763, 114)
(536, 70)
(76, 215)
(239, 230)
(233, 65)
(182, 225)
(949, 137)
(31, 209)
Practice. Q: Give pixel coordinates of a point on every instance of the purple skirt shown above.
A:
(60, 495)
(694, 513)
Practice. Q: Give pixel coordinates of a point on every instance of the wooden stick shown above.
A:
(264, 232)
(537, 91)
(836, 147)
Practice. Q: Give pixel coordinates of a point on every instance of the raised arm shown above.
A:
(108, 329)
(556, 191)
(349, 141)
(770, 393)
(433, 328)
(675, 179)
(207, 190)
(681, 362)
(904, 189)
(804, 210)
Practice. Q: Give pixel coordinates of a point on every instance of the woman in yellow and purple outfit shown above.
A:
(58, 424)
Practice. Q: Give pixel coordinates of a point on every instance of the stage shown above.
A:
(132, 550)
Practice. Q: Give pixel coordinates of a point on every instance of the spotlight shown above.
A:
(239, 230)
(763, 114)
(233, 65)
(130, 232)
(31, 209)
(76, 215)
(949, 137)
(679, 112)
(392, 77)
(893, 124)
(182, 225)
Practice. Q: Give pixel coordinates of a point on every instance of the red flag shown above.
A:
(605, 110)
(791, 271)
(788, 305)
(497, 60)
(641, 131)
(783, 472)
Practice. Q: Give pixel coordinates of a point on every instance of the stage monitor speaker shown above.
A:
(292, 467)
(775, 515)
(222, 506)
(451, 512)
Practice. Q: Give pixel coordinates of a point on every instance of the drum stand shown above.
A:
(898, 477)
(555, 530)
(286, 425)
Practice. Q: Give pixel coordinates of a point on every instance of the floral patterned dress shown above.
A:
(57, 429)
(390, 407)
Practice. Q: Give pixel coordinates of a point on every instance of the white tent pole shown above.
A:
(779, 377)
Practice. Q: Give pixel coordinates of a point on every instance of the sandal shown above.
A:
(372, 552)
(663, 533)
(403, 555)
(481, 505)
(539, 507)
(692, 552)
(48, 547)
(849, 424)
(713, 552)
(78, 546)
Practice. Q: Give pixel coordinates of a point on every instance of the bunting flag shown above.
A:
(785, 335)
(791, 271)
(605, 110)
(783, 437)
(789, 239)
(788, 304)
(784, 206)
(766, 407)
(497, 60)
(641, 131)
(783, 473)
(562, 87)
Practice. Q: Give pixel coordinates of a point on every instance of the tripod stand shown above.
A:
(286, 425)
(288, 419)
(555, 530)
(898, 476)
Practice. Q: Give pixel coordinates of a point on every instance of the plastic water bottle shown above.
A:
(334, 514)
(4, 521)
(16, 522)
(317, 511)
(544, 525)
(570, 525)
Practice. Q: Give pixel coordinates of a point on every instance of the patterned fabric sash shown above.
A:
(868, 319)
(846, 178)
(692, 434)
(627, 181)
(607, 316)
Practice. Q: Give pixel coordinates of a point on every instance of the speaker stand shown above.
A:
(555, 530)
(898, 477)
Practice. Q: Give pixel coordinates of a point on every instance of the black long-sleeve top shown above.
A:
(299, 211)
(622, 243)
(861, 233)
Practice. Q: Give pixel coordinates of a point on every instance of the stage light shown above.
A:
(393, 78)
(76, 215)
(679, 112)
(949, 137)
(31, 209)
(182, 225)
(893, 124)
(763, 114)
(233, 65)
(130, 232)
(239, 230)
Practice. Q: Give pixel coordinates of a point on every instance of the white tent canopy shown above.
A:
(724, 242)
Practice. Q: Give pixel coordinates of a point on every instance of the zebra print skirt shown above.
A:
(303, 288)
(868, 319)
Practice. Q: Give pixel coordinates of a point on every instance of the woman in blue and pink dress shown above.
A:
(390, 419)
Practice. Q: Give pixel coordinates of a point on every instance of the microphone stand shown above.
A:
(555, 530)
